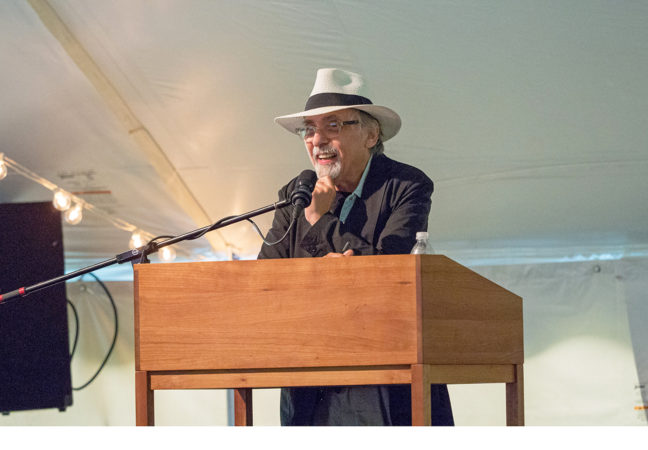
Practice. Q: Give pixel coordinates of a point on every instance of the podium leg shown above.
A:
(421, 402)
(144, 404)
(243, 407)
(515, 399)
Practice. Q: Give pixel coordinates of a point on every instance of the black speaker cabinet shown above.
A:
(34, 340)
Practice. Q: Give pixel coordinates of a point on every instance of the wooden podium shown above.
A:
(397, 319)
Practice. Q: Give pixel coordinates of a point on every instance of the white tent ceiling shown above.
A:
(531, 117)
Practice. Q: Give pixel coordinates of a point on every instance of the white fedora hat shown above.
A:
(337, 89)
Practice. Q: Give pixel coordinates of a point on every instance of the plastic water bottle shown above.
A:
(421, 247)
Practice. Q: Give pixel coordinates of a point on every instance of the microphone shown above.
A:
(303, 193)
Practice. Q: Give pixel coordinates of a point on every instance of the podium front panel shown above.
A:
(310, 312)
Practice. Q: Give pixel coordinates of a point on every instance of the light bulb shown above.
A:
(167, 254)
(3, 169)
(136, 240)
(74, 214)
(62, 200)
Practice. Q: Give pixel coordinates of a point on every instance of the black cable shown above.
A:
(112, 345)
(255, 227)
(76, 329)
(150, 246)
(270, 244)
(213, 226)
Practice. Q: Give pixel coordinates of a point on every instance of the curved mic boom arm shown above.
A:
(153, 247)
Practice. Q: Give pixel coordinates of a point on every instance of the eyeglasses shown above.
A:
(332, 128)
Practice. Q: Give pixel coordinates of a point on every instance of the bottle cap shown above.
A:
(421, 235)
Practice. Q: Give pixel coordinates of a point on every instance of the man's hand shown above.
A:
(323, 197)
(339, 255)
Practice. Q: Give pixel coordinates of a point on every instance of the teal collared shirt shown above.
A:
(357, 193)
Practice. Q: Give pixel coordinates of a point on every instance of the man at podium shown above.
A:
(363, 203)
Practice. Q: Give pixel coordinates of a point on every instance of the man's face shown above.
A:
(342, 155)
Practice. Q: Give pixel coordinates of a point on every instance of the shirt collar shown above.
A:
(358, 190)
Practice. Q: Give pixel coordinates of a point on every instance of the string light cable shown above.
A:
(73, 206)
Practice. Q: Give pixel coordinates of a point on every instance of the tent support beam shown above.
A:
(178, 189)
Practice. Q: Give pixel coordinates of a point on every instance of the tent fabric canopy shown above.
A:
(531, 117)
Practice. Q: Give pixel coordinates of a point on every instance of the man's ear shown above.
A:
(372, 137)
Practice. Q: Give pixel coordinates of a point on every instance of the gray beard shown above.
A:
(331, 170)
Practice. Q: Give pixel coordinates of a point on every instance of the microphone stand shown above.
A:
(143, 251)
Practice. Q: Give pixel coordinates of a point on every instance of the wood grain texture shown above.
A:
(515, 399)
(277, 313)
(421, 401)
(144, 404)
(136, 304)
(419, 311)
(468, 319)
(243, 407)
(394, 319)
(470, 373)
(319, 312)
(330, 376)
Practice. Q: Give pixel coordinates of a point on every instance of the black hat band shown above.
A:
(333, 99)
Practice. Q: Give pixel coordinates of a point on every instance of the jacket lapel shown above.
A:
(373, 196)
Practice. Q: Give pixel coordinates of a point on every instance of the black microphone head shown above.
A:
(301, 196)
(307, 178)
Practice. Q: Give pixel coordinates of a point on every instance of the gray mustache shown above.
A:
(319, 150)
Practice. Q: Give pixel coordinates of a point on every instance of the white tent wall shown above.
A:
(583, 338)
(585, 355)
